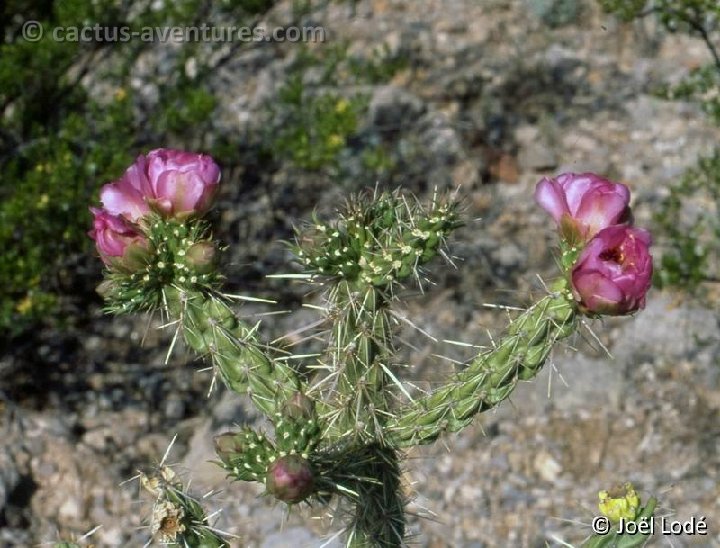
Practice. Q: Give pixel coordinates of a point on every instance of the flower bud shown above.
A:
(106, 288)
(614, 271)
(299, 406)
(227, 446)
(290, 479)
(620, 502)
(583, 204)
(118, 242)
(201, 257)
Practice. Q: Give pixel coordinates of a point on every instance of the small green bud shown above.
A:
(106, 289)
(228, 446)
(136, 257)
(202, 257)
(299, 406)
(290, 479)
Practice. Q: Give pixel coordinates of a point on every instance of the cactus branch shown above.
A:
(491, 376)
(360, 348)
(211, 328)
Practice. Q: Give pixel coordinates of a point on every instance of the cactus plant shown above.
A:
(340, 432)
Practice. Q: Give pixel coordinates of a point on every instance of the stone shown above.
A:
(392, 108)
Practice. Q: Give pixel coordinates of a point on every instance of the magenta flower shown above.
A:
(183, 183)
(290, 479)
(129, 195)
(172, 182)
(614, 271)
(114, 236)
(583, 204)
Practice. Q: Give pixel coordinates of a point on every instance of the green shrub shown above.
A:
(59, 141)
(310, 125)
(314, 128)
(690, 223)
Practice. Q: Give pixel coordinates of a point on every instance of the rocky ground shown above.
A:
(494, 99)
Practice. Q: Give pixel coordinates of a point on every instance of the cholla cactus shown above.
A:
(340, 431)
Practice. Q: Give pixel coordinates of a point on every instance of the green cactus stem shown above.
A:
(211, 328)
(379, 241)
(379, 518)
(491, 377)
(368, 477)
(360, 348)
(245, 455)
(177, 254)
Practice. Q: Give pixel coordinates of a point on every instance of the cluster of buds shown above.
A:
(142, 234)
(284, 466)
(379, 240)
(606, 258)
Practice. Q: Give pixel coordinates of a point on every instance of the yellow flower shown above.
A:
(341, 106)
(335, 141)
(25, 305)
(620, 502)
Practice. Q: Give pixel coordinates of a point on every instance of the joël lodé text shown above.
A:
(663, 525)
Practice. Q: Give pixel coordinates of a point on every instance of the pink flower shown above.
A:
(173, 182)
(583, 204)
(183, 183)
(128, 196)
(614, 271)
(114, 236)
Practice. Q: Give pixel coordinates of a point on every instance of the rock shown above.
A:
(466, 174)
(504, 168)
(537, 156)
(392, 108)
(296, 537)
(669, 330)
(535, 152)
(547, 467)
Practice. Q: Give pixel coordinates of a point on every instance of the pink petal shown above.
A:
(184, 190)
(596, 292)
(136, 175)
(122, 199)
(574, 188)
(549, 195)
(209, 170)
(600, 210)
